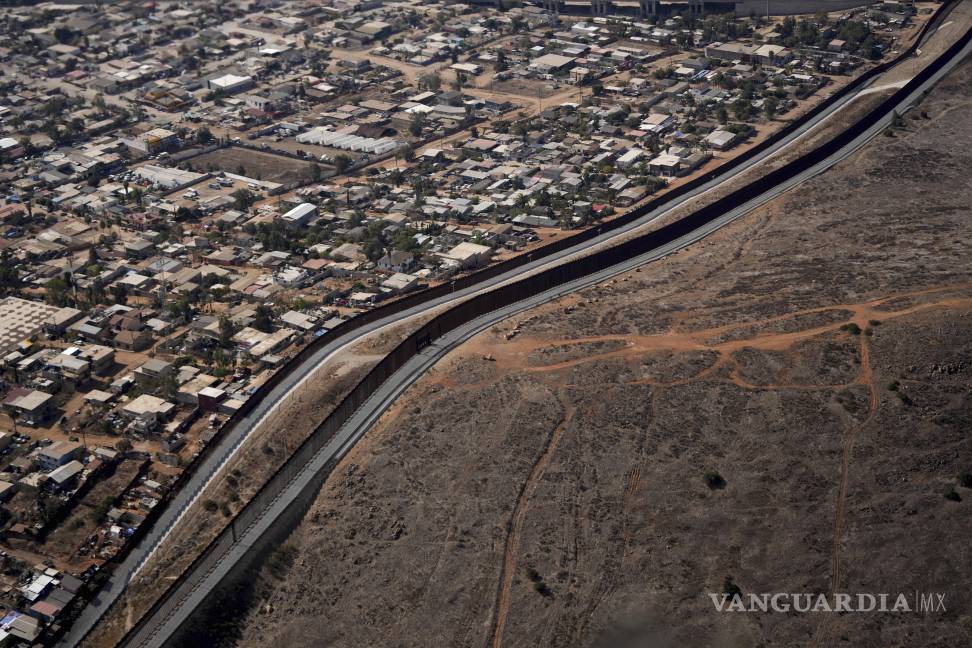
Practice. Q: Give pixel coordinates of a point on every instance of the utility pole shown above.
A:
(162, 292)
(74, 285)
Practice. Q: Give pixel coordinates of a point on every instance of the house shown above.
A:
(10, 149)
(210, 398)
(657, 123)
(70, 368)
(29, 406)
(66, 476)
(631, 195)
(720, 139)
(150, 374)
(630, 158)
(133, 340)
(146, 412)
(58, 323)
(139, 248)
(299, 320)
(772, 55)
(397, 261)
(259, 102)
(45, 610)
(152, 142)
(98, 398)
(467, 255)
(7, 489)
(400, 282)
(666, 164)
(24, 627)
(57, 454)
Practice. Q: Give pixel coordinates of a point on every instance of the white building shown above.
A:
(300, 215)
(467, 255)
(230, 83)
(629, 158)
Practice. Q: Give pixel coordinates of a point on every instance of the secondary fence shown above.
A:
(500, 297)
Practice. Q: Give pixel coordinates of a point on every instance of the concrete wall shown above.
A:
(790, 7)
(654, 7)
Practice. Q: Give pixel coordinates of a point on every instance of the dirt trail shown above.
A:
(865, 378)
(516, 527)
(511, 354)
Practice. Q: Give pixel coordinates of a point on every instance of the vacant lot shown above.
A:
(254, 164)
(786, 404)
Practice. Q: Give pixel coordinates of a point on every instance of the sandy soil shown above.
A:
(816, 354)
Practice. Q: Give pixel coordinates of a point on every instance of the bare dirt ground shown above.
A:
(816, 354)
(253, 164)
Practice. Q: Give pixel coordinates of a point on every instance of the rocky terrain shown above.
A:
(785, 407)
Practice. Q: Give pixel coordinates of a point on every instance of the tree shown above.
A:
(742, 109)
(405, 241)
(169, 386)
(373, 249)
(316, 172)
(263, 319)
(63, 34)
(244, 199)
(415, 124)
(123, 445)
(226, 331)
(9, 277)
(204, 136)
(119, 293)
(181, 309)
(770, 106)
(342, 162)
(56, 291)
(430, 81)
